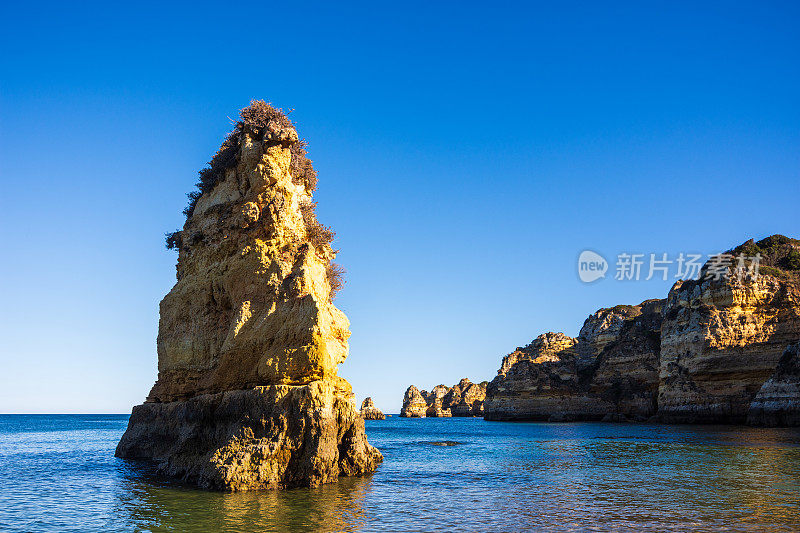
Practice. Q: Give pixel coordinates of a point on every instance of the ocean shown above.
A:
(58, 473)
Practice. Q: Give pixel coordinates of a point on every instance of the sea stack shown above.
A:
(249, 340)
(370, 412)
(414, 405)
(463, 399)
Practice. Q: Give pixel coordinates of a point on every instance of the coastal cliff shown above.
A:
(463, 399)
(249, 340)
(778, 401)
(722, 339)
(609, 370)
(702, 355)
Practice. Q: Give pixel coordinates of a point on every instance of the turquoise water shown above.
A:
(59, 473)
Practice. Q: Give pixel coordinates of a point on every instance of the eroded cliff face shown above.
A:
(700, 356)
(249, 340)
(463, 399)
(609, 370)
(369, 411)
(721, 340)
(414, 405)
(778, 401)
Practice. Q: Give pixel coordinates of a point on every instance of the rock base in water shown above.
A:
(370, 412)
(270, 437)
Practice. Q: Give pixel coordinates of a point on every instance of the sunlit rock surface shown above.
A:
(369, 411)
(463, 399)
(702, 355)
(249, 340)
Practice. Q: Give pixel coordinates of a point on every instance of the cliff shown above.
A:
(370, 412)
(699, 356)
(722, 339)
(463, 399)
(610, 369)
(778, 401)
(249, 340)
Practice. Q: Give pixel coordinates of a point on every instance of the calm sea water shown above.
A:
(58, 473)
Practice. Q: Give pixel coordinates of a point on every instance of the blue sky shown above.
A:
(467, 153)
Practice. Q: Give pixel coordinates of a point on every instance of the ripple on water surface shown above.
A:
(58, 473)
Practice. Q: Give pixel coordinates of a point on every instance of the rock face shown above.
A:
(611, 368)
(249, 340)
(414, 405)
(370, 412)
(464, 399)
(778, 401)
(721, 340)
(700, 356)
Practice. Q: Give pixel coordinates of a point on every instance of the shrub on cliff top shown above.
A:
(778, 253)
(259, 114)
(301, 166)
(174, 240)
(256, 118)
(318, 234)
(335, 273)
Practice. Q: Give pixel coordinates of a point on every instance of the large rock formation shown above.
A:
(464, 399)
(700, 356)
(722, 338)
(249, 340)
(414, 405)
(778, 401)
(370, 412)
(609, 370)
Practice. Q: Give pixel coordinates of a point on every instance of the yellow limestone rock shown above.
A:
(370, 412)
(249, 340)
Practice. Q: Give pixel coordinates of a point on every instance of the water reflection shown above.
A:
(60, 475)
(149, 503)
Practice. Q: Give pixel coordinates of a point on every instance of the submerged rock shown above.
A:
(249, 340)
(370, 412)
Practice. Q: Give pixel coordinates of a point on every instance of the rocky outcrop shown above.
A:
(464, 399)
(467, 398)
(722, 338)
(700, 356)
(370, 412)
(275, 436)
(414, 405)
(778, 401)
(435, 402)
(611, 368)
(249, 340)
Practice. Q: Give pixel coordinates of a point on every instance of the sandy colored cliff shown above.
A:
(249, 339)
(714, 351)
(462, 399)
(609, 371)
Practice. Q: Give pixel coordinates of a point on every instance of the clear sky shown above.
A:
(467, 153)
